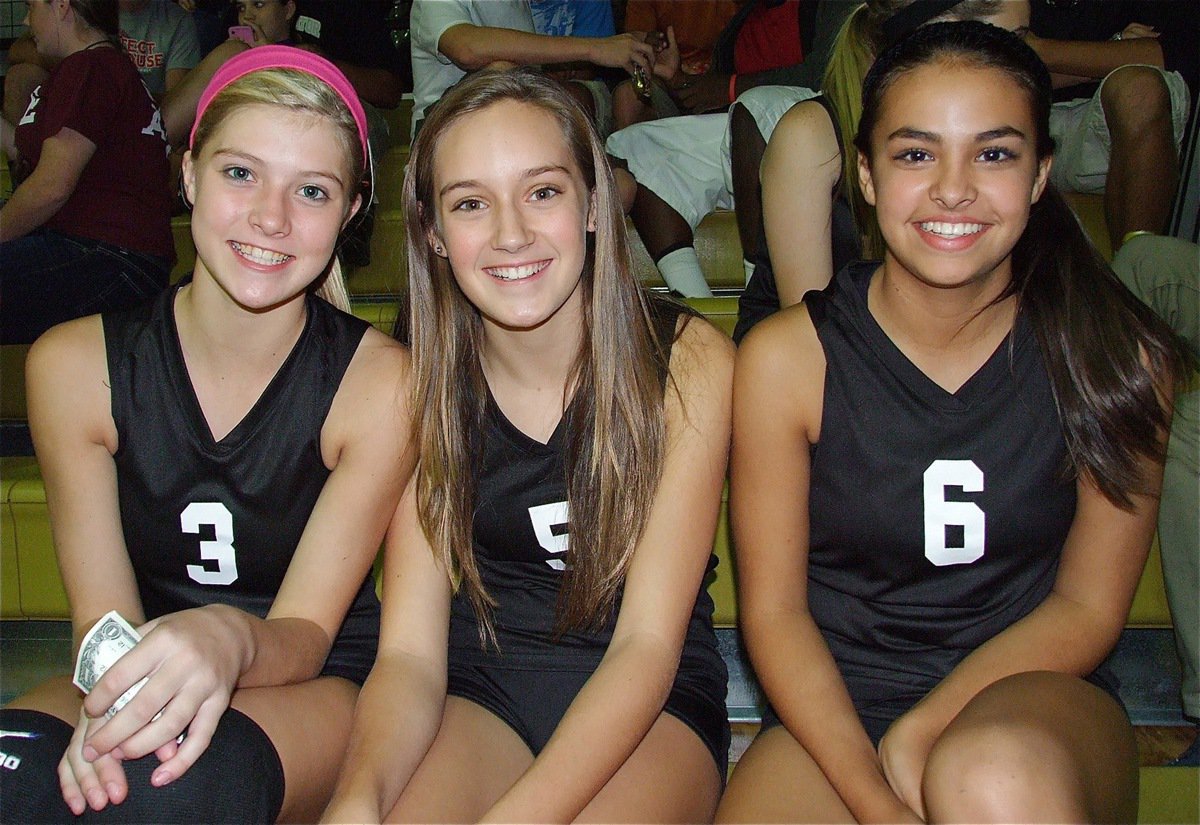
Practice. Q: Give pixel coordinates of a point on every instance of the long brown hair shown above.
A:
(614, 429)
(1092, 331)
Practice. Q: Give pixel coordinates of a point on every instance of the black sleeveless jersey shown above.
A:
(520, 543)
(218, 521)
(937, 518)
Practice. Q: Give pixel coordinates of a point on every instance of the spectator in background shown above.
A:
(212, 19)
(453, 37)
(697, 26)
(88, 227)
(580, 18)
(1121, 101)
(160, 37)
(682, 167)
(270, 20)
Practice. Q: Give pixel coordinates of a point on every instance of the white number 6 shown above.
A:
(940, 513)
(221, 550)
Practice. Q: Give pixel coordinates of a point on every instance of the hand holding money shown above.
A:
(108, 640)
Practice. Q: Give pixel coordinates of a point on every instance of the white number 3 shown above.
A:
(940, 514)
(220, 550)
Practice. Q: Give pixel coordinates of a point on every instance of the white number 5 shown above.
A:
(940, 514)
(544, 518)
(221, 550)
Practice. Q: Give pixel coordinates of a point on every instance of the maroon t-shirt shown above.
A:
(122, 197)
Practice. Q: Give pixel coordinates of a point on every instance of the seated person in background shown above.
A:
(580, 18)
(1165, 274)
(212, 19)
(234, 525)
(88, 227)
(354, 36)
(696, 26)
(946, 470)
(1122, 71)
(453, 37)
(682, 167)
(814, 218)
(159, 37)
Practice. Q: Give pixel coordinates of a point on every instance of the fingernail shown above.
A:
(160, 778)
(96, 799)
(114, 790)
(89, 753)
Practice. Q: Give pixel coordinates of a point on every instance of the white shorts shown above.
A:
(1082, 140)
(685, 160)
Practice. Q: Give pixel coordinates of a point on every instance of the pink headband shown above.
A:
(285, 57)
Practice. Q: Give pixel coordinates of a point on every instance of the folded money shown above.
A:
(108, 640)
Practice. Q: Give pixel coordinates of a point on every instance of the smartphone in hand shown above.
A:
(243, 33)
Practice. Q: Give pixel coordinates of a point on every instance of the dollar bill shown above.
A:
(108, 640)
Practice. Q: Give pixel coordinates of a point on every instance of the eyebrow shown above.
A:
(908, 133)
(307, 173)
(528, 173)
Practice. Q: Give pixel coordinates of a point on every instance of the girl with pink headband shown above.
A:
(221, 465)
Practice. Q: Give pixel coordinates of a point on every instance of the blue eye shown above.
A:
(237, 173)
(313, 192)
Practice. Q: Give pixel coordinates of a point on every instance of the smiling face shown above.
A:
(952, 173)
(512, 213)
(271, 20)
(271, 192)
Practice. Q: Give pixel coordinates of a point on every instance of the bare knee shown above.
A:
(1135, 98)
(1002, 770)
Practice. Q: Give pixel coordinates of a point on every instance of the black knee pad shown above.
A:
(238, 778)
(32, 744)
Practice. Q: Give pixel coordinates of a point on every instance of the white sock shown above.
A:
(681, 270)
(748, 267)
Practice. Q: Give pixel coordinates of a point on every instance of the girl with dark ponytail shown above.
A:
(975, 434)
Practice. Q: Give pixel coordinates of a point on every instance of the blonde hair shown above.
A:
(858, 42)
(299, 92)
(615, 438)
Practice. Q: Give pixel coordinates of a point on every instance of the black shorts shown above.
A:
(880, 702)
(531, 700)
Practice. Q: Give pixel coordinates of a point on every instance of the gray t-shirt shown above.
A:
(433, 72)
(157, 37)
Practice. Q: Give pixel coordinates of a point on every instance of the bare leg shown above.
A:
(473, 760)
(1035, 747)
(1143, 170)
(661, 227)
(746, 153)
(777, 781)
(671, 777)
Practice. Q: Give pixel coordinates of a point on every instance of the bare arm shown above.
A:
(195, 658)
(473, 47)
(390, 738)
(49, 186)
(1095, 59)
(623, 698)
(774, 425)
(799, 169)
(1070, 632)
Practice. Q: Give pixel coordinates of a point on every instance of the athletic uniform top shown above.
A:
(760, 298)
(937, 518)
(520, 542)
(218, 521)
